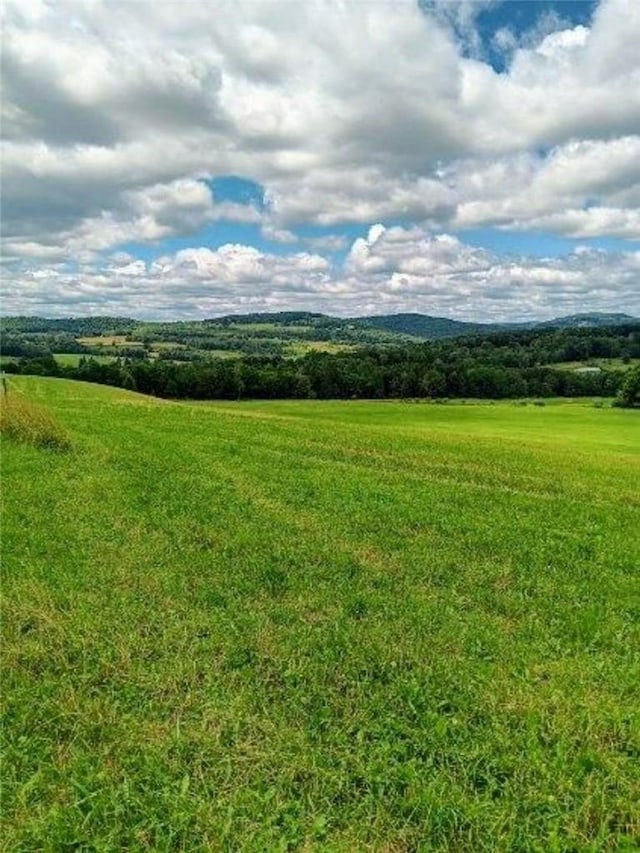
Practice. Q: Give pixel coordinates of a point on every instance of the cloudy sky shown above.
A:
(477, 160)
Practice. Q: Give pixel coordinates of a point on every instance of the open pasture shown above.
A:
(302, 347)
(321, 626)
(108, 341)
(602, 363)
(72, 359)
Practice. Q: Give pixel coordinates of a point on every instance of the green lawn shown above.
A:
(318, 626)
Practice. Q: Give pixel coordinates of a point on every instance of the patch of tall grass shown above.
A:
(23, 420)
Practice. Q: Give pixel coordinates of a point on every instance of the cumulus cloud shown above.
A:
(327, 242)
(116, 118)
(343, 111)
(411, 269)
(583, 188)
(392, 269)
(146, 215)
(278, 235)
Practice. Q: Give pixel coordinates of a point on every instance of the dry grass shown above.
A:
(28, 422)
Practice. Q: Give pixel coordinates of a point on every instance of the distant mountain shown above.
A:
(400, 325)
(425, 326)
(414, 325)
(308, 325)
(587, 321)
(278, 318)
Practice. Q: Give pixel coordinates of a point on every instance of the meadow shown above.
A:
(332, 626)
(73, 359)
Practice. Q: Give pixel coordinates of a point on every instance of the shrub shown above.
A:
(26, 421)
(629, 393)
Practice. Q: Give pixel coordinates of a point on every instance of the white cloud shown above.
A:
(595, 182)
(323, 102)
(392, 269)
(327, 242)
(146, 215)
(592, 222)
(278, 235)
(115, 116)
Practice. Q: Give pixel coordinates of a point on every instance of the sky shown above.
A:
(175, 160)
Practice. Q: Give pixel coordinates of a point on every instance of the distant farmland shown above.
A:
(321, 626)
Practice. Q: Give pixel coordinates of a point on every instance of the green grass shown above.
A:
(602, 363)
(72, 359)
(220, 353)
(158, 346)
(303, 347)
(261, 327)
(109, 341)
(321, 626)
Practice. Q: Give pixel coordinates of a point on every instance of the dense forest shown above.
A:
(512, 364)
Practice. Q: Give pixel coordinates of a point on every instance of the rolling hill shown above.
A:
(424, 326)
(305, 324)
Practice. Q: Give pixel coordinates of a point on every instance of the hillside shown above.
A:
(320, 626)
(286, 335)
(585, 321)
(282, 333)
(423, 326)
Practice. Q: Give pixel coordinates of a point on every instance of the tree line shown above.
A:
(491, 366)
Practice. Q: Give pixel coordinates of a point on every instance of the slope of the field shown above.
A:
(321, 626)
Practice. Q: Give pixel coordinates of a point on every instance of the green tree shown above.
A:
(128, 380)
(629, 393)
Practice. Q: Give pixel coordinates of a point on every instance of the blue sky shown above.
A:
(523, 17)
(468, 158)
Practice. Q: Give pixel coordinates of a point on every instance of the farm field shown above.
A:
(73, 358)
(602, 363)
(303, 347)
(313, 625)
(108, 341)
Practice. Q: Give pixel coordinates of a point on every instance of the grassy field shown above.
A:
(220, 353)
(602, 363)
(72, 359)
(158, 346)
(334, 626)
(303, 347)
(109, 341)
